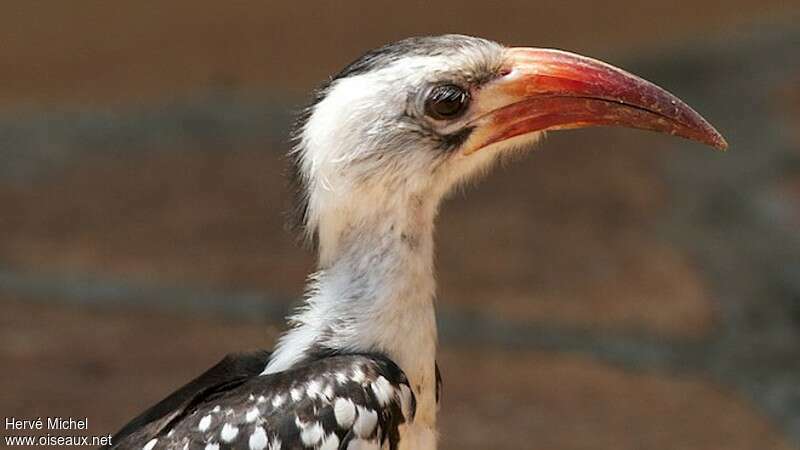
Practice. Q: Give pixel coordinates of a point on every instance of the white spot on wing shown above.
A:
(405, 401)
(365, 424)
(383, 390)
(252, 414)
(358, 375)
(228, 433)
(212, 446)
(311, 435)
(258, 440)
(345, 412)
(314, 389)
(278, 400)
(150, 444)
(205, 422)
(261, 399)
(216, 409)
(296, 394)
(330, 443)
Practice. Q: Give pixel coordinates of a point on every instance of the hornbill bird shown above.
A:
(380, 146)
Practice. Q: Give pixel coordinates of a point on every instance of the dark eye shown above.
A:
(446, 102)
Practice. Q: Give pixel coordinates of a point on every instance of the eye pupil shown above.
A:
(446, 102)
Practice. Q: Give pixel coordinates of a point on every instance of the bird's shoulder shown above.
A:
(325, 403)
(232, 371)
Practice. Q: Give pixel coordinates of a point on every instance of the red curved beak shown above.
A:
(543, 89)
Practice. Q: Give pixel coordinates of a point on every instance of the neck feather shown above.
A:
(374, 291)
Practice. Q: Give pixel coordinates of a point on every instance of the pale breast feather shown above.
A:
(343, 401)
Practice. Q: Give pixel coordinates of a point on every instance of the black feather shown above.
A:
(232, 371)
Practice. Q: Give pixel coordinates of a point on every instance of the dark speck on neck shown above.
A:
(411, 240)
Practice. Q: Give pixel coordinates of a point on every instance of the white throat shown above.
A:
(374, 291)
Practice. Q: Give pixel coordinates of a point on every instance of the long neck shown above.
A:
(374, 291)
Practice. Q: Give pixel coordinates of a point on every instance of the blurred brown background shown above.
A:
(615, 290)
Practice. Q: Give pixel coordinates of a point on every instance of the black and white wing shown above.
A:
(342, 401)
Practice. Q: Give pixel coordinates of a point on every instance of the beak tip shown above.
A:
(716, 140)
(702, 131)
